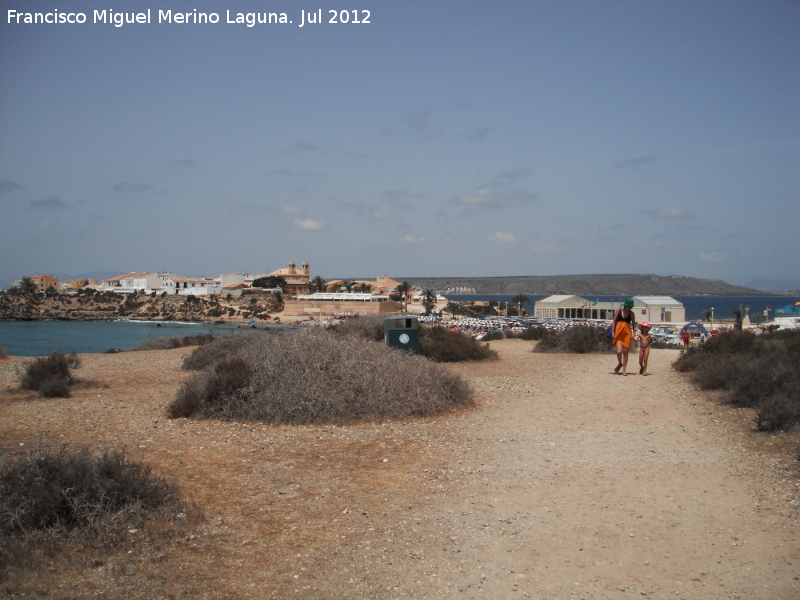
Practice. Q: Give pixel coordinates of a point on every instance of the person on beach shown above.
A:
(686, 336)
(623, 327)
(645, 339)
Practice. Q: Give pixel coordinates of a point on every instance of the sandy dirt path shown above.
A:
(565, 481)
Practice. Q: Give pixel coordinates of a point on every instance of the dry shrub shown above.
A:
(53, 497)
(366, 326)
(168, 342)
(222, 348)
(3, 353)
(442, 345)
(531, 333)
(437, 343)
(580, 339)
(761, 372)
(318, 377)
(493, 336)
(51, 376)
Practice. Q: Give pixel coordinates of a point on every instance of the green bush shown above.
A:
(51, 376)
(442, 345)
(315, 377)
(760, 372)
(580, 339)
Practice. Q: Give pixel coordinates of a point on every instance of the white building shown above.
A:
(136, 282)
(191, 286)
(658, 309)
(655, 309)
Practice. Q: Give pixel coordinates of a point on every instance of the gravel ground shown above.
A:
(566, 481)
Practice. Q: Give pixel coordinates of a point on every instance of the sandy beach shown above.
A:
(565, 481)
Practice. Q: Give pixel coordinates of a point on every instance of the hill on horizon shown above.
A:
(601, 285)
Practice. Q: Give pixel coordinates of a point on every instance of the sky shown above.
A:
(437, 138)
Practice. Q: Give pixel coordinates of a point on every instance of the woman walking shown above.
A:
(623, 326)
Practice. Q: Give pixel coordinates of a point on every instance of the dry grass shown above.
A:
(317, 377)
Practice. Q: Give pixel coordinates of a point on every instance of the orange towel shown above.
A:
(623, 334)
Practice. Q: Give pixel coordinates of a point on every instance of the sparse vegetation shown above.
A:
(579, 339)
(168, 342)
(316, 377)
(51, 375)
(365, 326)
(55, 501)
(222, 348)
(3, 353)
(437, 343)
(761, 372)
(494, 336)
(442, 345)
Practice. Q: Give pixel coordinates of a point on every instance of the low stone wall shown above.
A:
(326, 308)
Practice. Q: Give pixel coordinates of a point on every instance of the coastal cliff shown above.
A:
(109, 306)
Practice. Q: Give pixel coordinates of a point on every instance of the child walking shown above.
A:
(645, 339)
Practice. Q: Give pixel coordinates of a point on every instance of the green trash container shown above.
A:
(402, 333)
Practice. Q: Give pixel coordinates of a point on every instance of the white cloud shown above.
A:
(487, 198)
(288, 210)
(710, 256)
(671, 212)
(384, 212)
(308, 224)
(408, 239)
(502, 237)
(49, 203)
(544, 248)
(483, 197)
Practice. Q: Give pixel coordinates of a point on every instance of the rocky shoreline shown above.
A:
(41, 306)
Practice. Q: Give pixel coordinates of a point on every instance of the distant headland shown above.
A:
(583, 285)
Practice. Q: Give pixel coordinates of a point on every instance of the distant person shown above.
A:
(685, 336)
(645, 339)
(622, 327)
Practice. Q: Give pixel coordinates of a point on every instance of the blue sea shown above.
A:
(38, 338)
(695, 305)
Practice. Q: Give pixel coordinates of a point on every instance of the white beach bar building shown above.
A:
(655, 309)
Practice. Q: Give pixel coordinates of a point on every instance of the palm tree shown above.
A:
(428, 300)
(26, 285)
(318, 284)
(521, 299)
(739, 314)
(403, 290)
(363, 288)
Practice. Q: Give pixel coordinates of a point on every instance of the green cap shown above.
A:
(629, 302)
